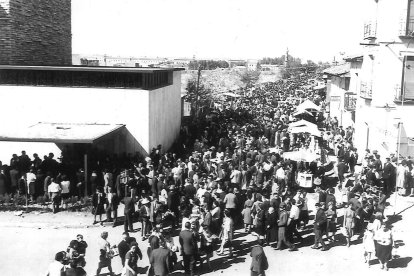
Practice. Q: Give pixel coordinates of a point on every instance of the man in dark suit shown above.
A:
(319, 227)
(342, 169)
(160, 260)
(128, 212)
(125, 245)
(188, 248)
(173, 203)
(259, 259)
(388, 176)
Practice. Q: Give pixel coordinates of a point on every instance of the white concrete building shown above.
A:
(141, 107)
(385, 107)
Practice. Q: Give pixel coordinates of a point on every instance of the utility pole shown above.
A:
(197, 90)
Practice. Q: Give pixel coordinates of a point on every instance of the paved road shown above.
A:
(29, 244)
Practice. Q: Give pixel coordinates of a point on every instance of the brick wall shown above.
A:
(35, 32)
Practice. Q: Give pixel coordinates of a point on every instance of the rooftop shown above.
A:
(82, 76)
(338, 70)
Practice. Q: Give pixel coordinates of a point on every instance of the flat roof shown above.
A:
(64, 133)
(92, 68)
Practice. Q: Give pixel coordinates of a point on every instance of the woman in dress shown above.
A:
(402, 170)
(385, 242)
(98, 203)
(226, 233)
(368, 242)
(247, 214)
(331, 225)
(349, 223)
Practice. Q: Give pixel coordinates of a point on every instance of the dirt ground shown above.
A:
(29, 243)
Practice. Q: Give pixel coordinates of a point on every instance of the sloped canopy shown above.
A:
(302, 123)
(306, 129)
(302, 112)
(60, 133)
(308, 105)
(301, 155)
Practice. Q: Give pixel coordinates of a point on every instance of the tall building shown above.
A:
(35, 32)
(384, 108)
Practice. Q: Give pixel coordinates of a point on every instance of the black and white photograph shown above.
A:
(206, 137)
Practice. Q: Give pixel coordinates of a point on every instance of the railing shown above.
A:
(398, 93)
(350, 101)
(405, 30)
(366, 90)
(370, 30)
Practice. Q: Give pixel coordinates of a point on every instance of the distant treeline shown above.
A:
(208, 64)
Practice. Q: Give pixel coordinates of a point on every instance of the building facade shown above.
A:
(146, 101)
(386, 81)
(35, 32)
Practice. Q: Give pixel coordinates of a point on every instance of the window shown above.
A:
(407, 91)
(407, 20)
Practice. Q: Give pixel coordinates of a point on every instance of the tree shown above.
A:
(249, 78)
(200, 99)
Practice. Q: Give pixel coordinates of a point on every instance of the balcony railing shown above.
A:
(405, 29)
(350, 101)
(366, 90)
(370, 30)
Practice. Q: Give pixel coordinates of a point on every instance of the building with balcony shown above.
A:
(113, 109)
(340, 94)
(384, 104)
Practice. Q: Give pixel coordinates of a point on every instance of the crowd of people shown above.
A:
(230, 174)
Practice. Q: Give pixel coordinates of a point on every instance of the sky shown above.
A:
(239, 29)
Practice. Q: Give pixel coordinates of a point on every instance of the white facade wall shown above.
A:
(377, 126)
(337, 92)
(137, 109)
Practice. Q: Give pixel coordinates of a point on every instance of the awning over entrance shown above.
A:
(60, 133)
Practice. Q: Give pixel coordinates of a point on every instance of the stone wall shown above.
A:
(35, 32)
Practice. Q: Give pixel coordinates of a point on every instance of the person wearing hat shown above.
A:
(144, 213)
(282, 224)
(319, 227)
